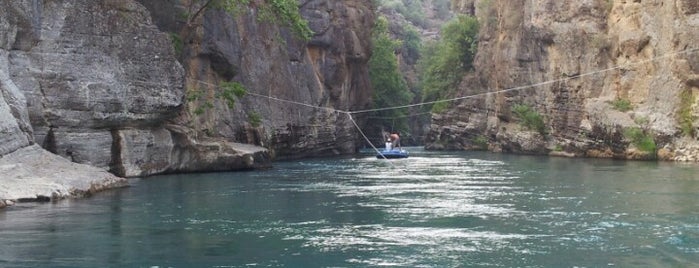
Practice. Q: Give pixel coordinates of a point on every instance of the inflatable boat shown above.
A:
(392, 154)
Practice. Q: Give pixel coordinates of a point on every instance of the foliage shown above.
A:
(622, 105)
(255, 119)
(529, 118)
(558, 148)
(207, 105)
(444, 63)
(390, 88)
(684, 113)
(410, 9)
(640, 138)
(279, 12)
(286, 13)
(442, 7)
(481, 142)
(177, 44)
(440, 107)
(194, 94)
(230, 91)
(412, 43)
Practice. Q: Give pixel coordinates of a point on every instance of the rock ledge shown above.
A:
(34, 174)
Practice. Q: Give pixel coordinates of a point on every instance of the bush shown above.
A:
(230, 91)
(622, 105)
(177, 44)
(641, 139)
(481, 142)
(684, 114)
(255, 119)
(529, 118)
(444, 63)
(390, 88)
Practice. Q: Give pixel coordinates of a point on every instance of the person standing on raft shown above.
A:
(394, 138)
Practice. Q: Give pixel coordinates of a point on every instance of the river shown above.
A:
(434, 209)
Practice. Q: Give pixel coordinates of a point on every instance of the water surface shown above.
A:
(434, 209)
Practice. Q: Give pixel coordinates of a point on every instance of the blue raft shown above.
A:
(392, 154)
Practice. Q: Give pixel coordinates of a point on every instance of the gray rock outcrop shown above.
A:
(102, 87)
(306, 81)
(96, 83)
(28, 172)
(34, 174)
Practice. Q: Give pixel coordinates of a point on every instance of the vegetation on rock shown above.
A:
(413, 10)
(684, 115)
(390, 88)
(529, 118)
(444, 63)
(229, 92)
(641, 139)
(622, 105)
(281, 12)
(255, 119)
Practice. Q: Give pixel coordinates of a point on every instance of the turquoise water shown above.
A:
(435, 209)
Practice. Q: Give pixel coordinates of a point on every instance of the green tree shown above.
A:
(412, 43)
(390, 88)
(444, 63)
(411, 10)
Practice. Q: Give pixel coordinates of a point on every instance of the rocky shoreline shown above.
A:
(33, 174)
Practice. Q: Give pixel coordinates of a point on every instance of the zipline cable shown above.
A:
(349, 113)
(687, 51)
(367, 138)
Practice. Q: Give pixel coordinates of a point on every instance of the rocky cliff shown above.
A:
(294, 86)
(127, 87)
(28, 172)
(607, 79)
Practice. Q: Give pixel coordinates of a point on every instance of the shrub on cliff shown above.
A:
(529, 118)
(390, 88)
(280, 12)
(444, 63)
(685, 117)
(640, 138)
(622, 105)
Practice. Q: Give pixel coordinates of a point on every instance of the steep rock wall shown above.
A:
(102, 86)
(580, 58)
(28, 172)
(329, 71)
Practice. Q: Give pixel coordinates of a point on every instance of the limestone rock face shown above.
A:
(28, 172)
(294, 86)
(576, 63)
(98, 84)
(90, 69)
